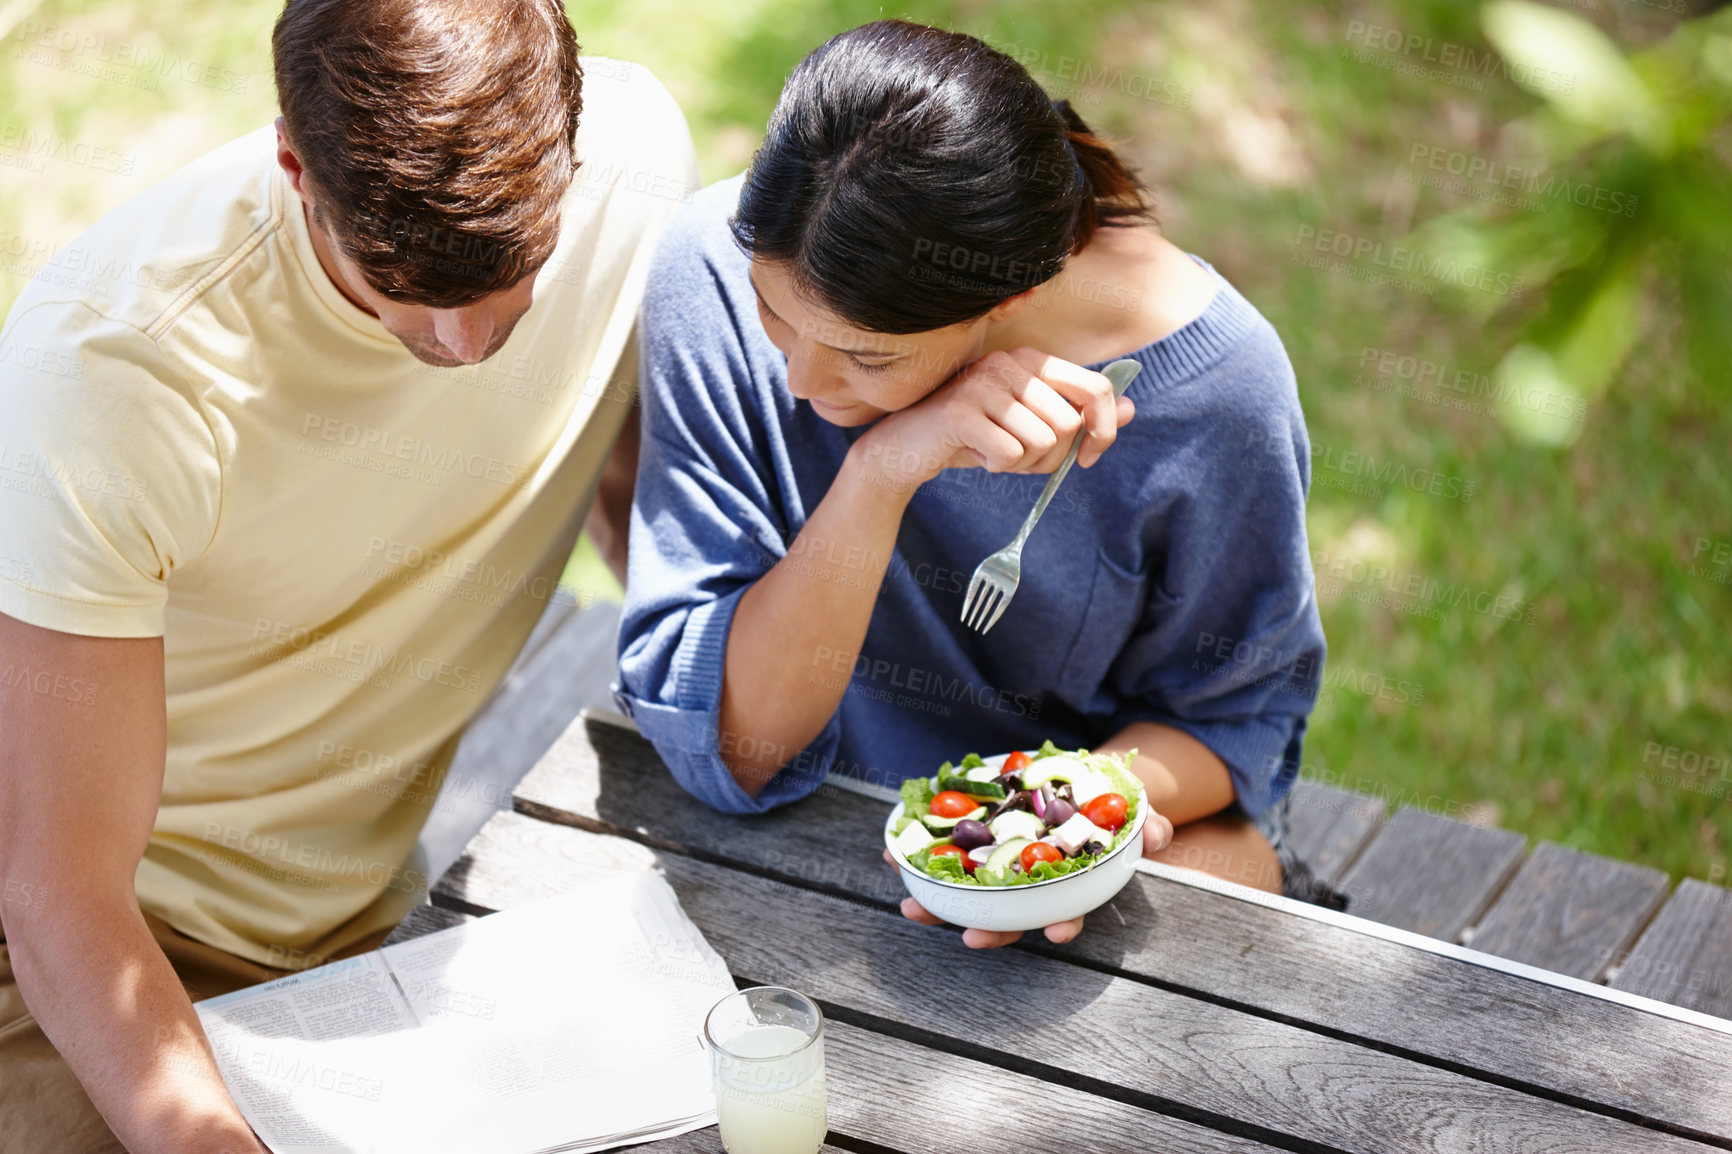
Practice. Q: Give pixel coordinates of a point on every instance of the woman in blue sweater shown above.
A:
(860, 362)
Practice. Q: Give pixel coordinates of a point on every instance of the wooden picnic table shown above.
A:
(1190, 1015)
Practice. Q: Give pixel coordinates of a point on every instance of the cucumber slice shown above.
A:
(985, 789)
(933, 821)
(997, 868)
(1058, 767)
(982, 773)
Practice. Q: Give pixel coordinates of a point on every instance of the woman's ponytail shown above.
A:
(1112, 192)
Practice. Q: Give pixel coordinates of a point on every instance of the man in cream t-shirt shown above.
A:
(289, 467)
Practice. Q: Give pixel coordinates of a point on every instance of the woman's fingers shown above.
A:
(1085, 389)
(1062, 932)
(1157, 834)
(914, 911)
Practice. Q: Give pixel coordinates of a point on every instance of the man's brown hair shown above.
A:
(438, 136)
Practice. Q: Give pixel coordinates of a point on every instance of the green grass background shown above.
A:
(1540, 727)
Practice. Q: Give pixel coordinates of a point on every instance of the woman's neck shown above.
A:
(1128, 288)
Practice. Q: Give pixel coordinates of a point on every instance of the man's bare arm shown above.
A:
(82, 747)
(609, 521)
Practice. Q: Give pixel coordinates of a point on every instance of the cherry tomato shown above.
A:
(954, 851)
(1038, 851)
(952, 803)
(1016, 761)
(1106, 811)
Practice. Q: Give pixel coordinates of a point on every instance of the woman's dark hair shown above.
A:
(913, 178)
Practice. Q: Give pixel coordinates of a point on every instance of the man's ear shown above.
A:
(291, 163)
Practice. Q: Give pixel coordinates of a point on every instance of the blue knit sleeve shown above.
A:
(1231, 646)
(706, 519)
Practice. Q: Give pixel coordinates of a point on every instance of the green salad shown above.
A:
(1032, 819)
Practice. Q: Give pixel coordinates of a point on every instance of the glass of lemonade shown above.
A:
(767, 1054)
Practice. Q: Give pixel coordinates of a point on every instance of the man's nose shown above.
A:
(464, 332)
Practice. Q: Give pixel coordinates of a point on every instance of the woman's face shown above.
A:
(854, 376)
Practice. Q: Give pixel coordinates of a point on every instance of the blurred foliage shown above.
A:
(1653, 129)
(1584, 718)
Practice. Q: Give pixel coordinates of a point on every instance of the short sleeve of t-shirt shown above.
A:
(109, 476)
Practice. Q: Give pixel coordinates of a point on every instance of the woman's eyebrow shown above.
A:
(765, 305)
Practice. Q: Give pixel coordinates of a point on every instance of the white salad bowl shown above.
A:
(1024, 907)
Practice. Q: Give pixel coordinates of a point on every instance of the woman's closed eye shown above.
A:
(867, 367)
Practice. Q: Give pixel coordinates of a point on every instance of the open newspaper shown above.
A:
(571, 1024)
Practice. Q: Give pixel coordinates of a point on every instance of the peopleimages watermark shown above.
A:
(134, 65)
(1412, 592)
(1445, 60)
(911, 687)
(1302, 673)
(37, 474)
(1354, 471)
(1482, 178)
(1381, 263)
(25, 895)
(49, 360)
(452, 576)
(1458, 388)
(310, 864)
(47, 683)
(1084, 82)
(354, 659)
(401, 455)
(1693, 770)
(1712, 560)
(24, 148)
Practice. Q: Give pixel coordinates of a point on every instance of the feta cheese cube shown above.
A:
(1079, 831)
(1088, 785)
(913, 839)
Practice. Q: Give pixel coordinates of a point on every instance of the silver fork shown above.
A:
(994, 582)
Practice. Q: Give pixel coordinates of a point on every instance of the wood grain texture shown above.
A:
(1205, 1063)
(1685, 956)
(1430, 874)
(1157, 930)
(1328, 827)
(567, 666)
(426, 919)
(1571, 912)
(832, 840)
(705, 1141)
(874, 1078)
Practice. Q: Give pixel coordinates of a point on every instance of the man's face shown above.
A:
(447, 338)
(853, 376)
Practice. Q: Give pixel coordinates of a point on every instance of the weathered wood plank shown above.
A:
(831, 840)
(1571, 912)
(1328, 827)
(705, 1141)
(1162, 931)
(1685, 957)
(1208, 1064)
(1430, 874)
(873, 1077)
(567, 666)
(425, 919)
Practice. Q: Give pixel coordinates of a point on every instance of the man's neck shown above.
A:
(328, 261)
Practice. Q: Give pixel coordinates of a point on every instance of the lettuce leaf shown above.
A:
(916, 803)
(1045, 871)
(946, 868)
